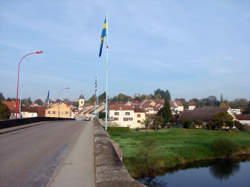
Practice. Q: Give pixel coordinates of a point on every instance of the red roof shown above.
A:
(243, 116)
(120, 107)
(171, 104)
(11, 105)
(178, 103)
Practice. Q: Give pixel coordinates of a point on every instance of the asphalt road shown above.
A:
(28, 157)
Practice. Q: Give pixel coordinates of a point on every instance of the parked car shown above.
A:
(87, 119)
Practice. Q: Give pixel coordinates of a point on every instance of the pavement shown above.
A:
(29, 157)
(78, 167)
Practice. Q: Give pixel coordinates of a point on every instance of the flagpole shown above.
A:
(107, 55)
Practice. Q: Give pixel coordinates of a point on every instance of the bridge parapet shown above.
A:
(110, 170)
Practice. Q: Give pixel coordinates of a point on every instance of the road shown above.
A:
(29, 157)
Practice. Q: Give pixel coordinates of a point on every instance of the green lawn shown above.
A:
(176, 145)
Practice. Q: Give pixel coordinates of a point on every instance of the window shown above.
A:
(66, 112)
(130, 119)
(138, 121)
(125, 119)
(127, 113)
(138, 115)
(116, 113)
(54, 112)
(48, 112)
(116, 119)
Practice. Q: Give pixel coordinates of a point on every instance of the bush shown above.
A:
(186, 123)
(118, 129)
(147, 162)
(224, 147)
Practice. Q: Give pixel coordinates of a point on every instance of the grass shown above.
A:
(176, 146)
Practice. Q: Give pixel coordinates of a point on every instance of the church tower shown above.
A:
(81, 102)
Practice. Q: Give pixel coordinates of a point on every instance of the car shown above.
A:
(87, 119)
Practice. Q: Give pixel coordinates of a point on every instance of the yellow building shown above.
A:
(59, 111)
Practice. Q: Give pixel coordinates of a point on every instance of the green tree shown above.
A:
(164, 94)
(165, 112)
(91, 99)
(247, 111)
(1, 97)
(158, 121)
(27, 102)
(4, 111)
(239, 103)
(102, 97)
(222, 119)
(39, 102)
(147, 122)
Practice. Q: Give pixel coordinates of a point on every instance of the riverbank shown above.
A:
(173, 147)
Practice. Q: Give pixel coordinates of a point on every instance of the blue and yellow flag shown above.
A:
(102, 37)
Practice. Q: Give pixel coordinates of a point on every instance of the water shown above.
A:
(215, 174)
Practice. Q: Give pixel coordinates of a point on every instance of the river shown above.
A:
(213, 174)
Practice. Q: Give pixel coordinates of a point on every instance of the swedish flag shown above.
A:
(102, 36)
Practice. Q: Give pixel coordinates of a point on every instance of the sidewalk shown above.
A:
(78, 168)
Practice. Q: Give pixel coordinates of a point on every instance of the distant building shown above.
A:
(191, 105)
(236, 111)
(126, 116)
(244, 119)
(59, 110)
(81, 102)
(205, 113)
(176, 107)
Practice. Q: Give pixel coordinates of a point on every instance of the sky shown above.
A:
(192, 48)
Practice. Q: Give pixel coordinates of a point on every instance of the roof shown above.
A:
(11, 105)
(243, 116)
(179, 103)
(171, 104)
(191, 103)
(204, 114)
(120, 107)
(137, 109)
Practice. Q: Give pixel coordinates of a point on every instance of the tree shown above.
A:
(27, 102)
(157, 122)
(165, 112)
(247, 111)
(1, 97)
(102, 97)
(39, 102)
(91, 99)
(147, 122)
(164, 94)
(4, 111)
(223, 105)
(121, 97)
(239, 103)
(222, 119)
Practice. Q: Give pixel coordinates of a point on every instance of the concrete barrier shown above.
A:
(18, 122)
(110, 170)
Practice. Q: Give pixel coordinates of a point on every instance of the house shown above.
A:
(139, 118)
(152, 106)
(244, 119)
(191, 105)
(236, 111)
(176, 107)
(59, 110)
(205, 113)
(127, 116)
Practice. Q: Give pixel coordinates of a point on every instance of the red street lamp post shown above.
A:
(36, 52)
(59, 94)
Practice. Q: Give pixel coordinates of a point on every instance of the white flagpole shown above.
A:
(107, 52)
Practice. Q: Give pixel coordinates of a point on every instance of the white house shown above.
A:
(244, 119)
(126, 116)
(236, 111)
(176, 107)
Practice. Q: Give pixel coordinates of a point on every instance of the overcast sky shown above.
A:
(192, 48)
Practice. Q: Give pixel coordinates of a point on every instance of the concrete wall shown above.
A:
(108, 161)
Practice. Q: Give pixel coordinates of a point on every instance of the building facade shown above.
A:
(59, 111)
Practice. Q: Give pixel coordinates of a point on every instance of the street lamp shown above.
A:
(59, 94)
(36, 52)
